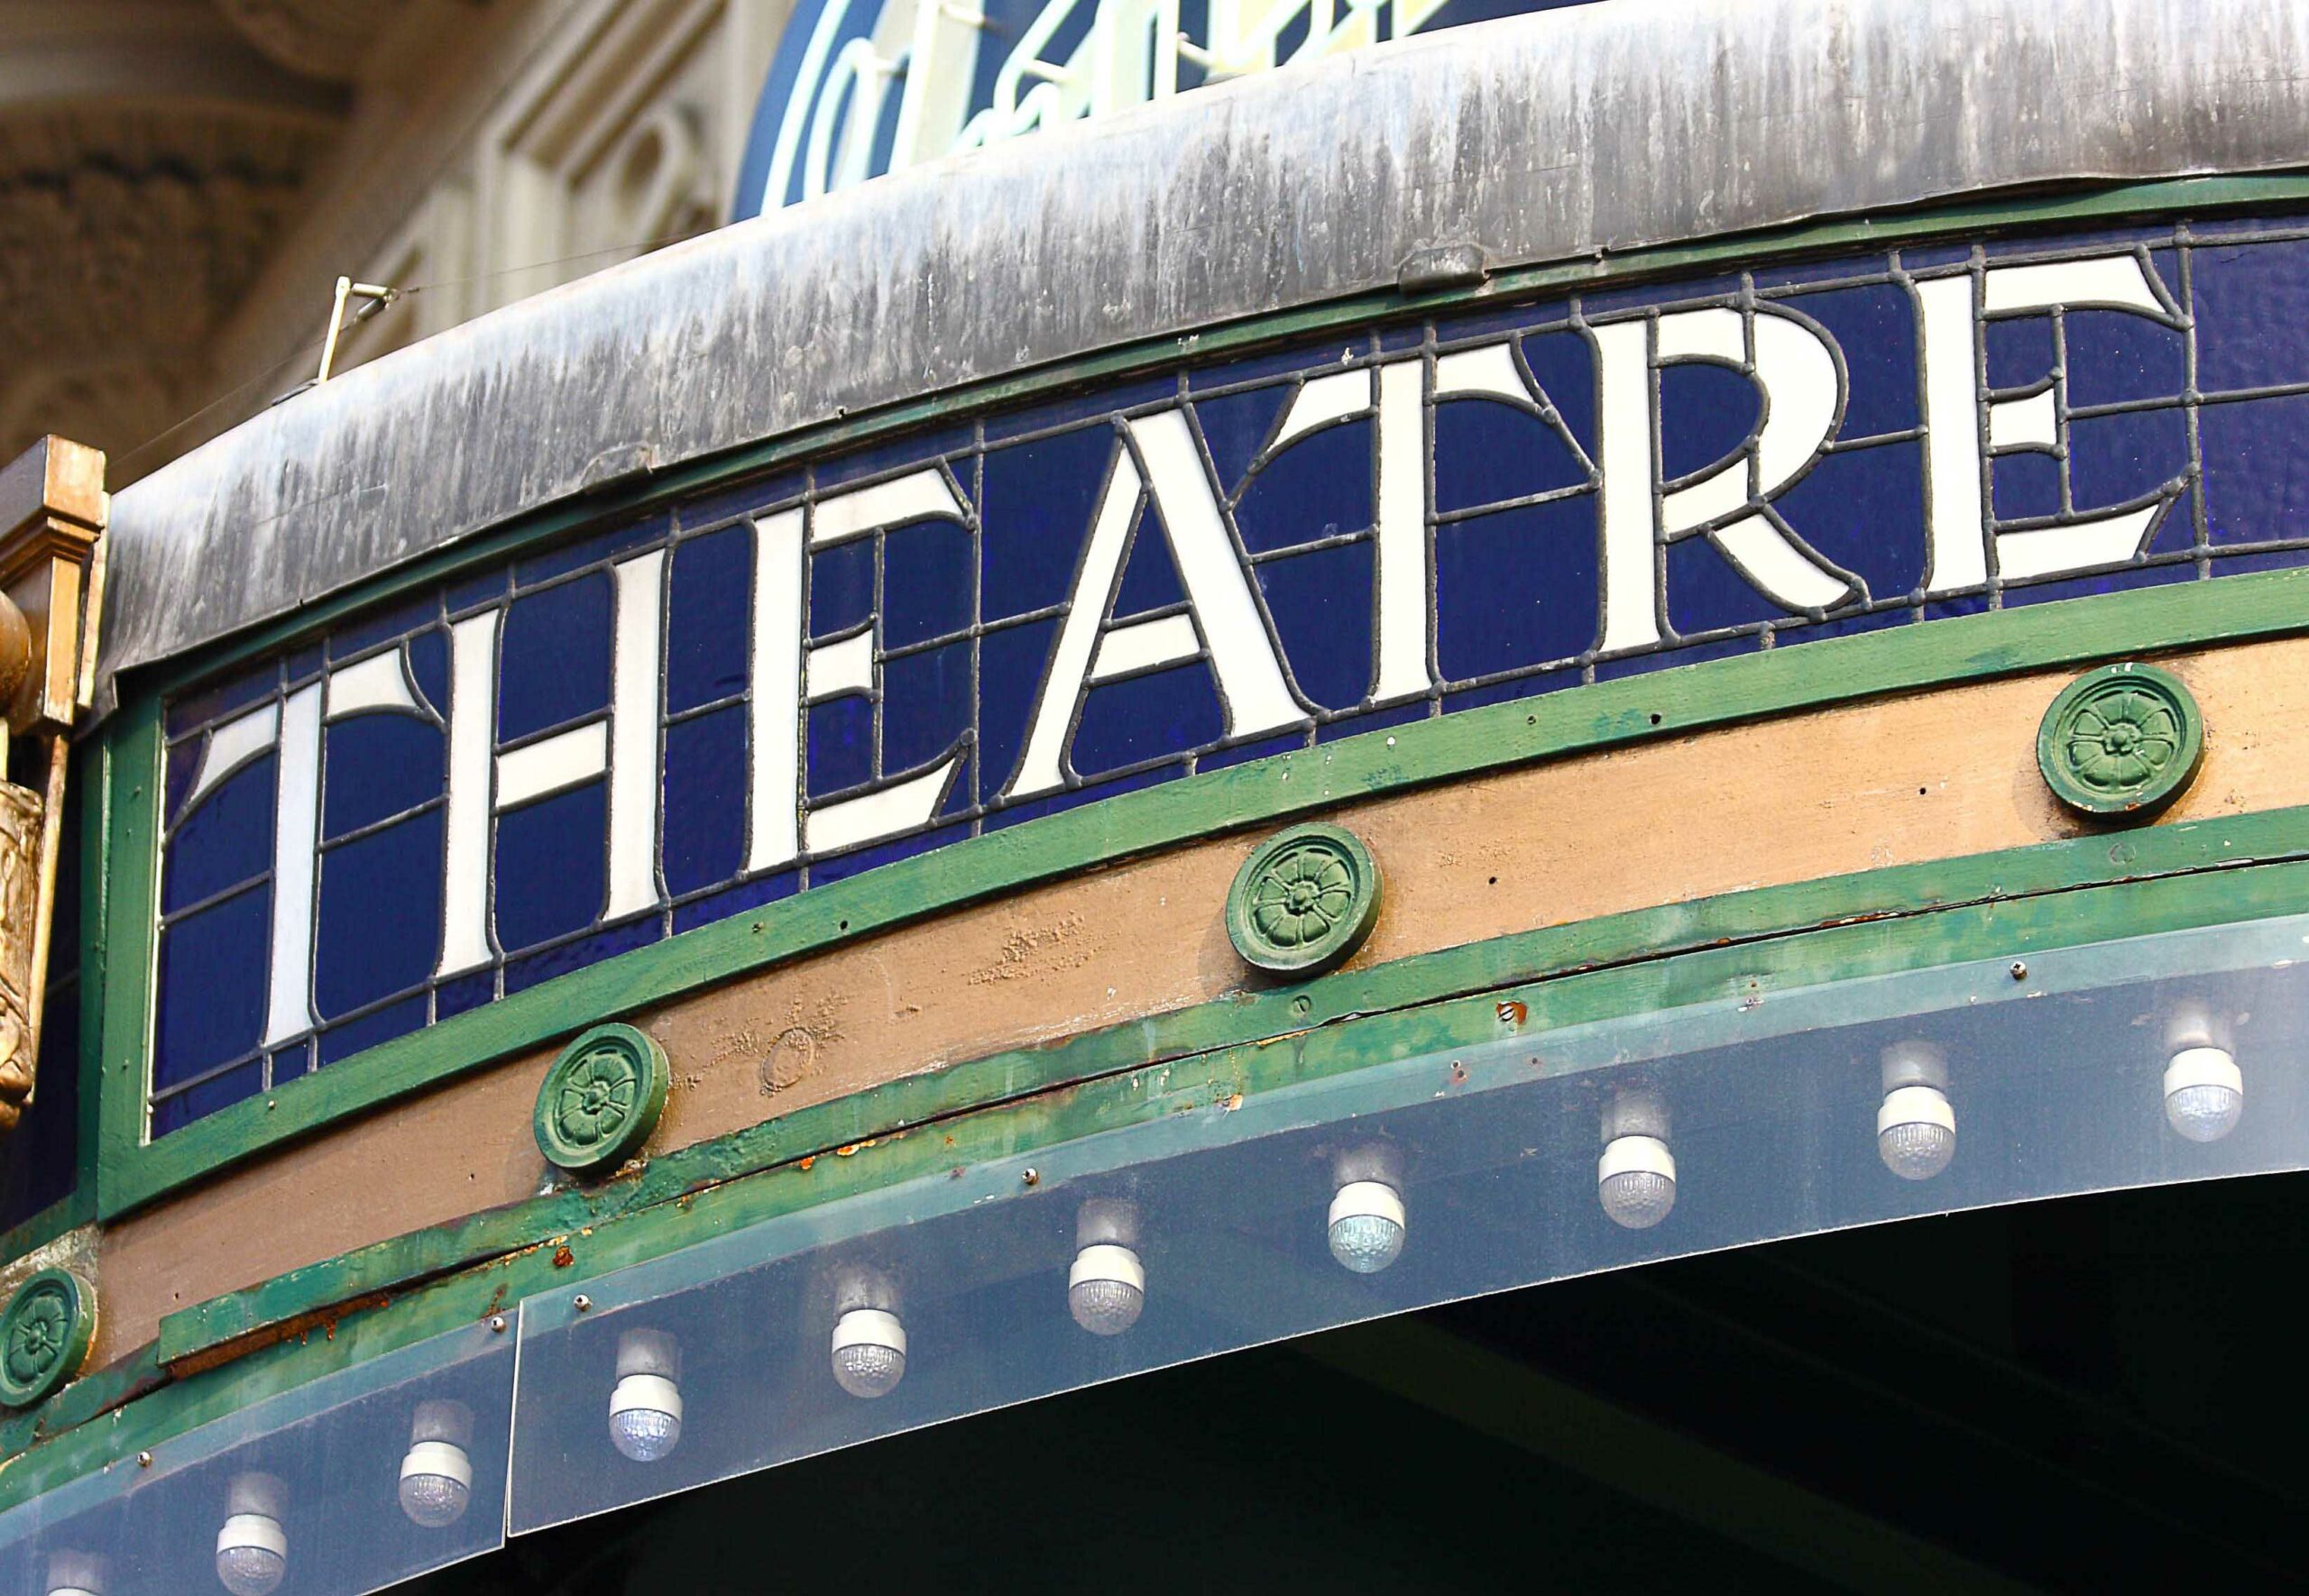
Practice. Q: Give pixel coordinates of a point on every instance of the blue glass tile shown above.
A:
(925, 705)
(1966, 605)
(755, 498)
(554, 659)
(428, 662)
(2021, 351)
(2115, 356)
(179, 767)
(841, 867)
(1282, 362)
(521, 974)
(2068, 243)
(1804, 272)
(709, 606)
(1319, 486)
(212, 979)
(1707, 592)
(2256, 456)
(353, 1036)
(2252, 315)
(840, 737)
(2106, 581)
(1669, 659)
(1040, 499)
(358, 636)
(602, 545)
(1409, 336)
(1864, 510)
(1875, 326)
(1150, 576)
(379, 764)
(464, 995)
(735, 900)
(2281, 559)
(1394, 715)
(1840, 626)
(705, 799)
(227, 837)
(1265, 748)
(1930, 255)
(552, 868)
(1517, 588)
(1565, 369)
(1706, 413)
(842, 586)
(1510, 690)
(1163, 712)
(2025, 485)
(2118, 459)
(173, 1114)
(478, 590)
(1011, 663)
(1487, 453)
(304, 664)
(1606, 303)
(1106, 402)
(894, 458)
(1496, 320)
(1235, 426)
(379, 929)
(1059, 802)
(218, 703)
(1322, 603)
(2177, 532)
(929, 574)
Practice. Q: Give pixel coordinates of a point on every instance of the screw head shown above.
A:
(497, 1323)
(1031, 1177)
(2019, 970)
(143, 1460)
(582, 1302)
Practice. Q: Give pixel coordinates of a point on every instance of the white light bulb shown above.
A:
(1366, 1225)
(646, 1404)
(252, 1547)
(1105, 1288)
(868, 1351)
(1635, 1178)
(1915, 1126)
(2204, 1093)
(437, 1472)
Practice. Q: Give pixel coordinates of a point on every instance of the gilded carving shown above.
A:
(20, 853)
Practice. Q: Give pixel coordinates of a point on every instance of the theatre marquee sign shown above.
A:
(573, 754)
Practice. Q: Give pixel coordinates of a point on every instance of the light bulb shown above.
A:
(252, 1547)
(1635, 1178)
(437, 1474)
(1916, 1127)
(2205, 1091)
(868, 1351)
(646, 1404)
(1367, 1219)
(1107, 1286)
(76, 1573)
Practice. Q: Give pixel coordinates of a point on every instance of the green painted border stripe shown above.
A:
(1607, 715)
(71, 1444)
(1253, 1017)
(132, 780)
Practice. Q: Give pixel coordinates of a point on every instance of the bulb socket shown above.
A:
(1107, 1222)
(1914, 1063)
(77, 1573)
(647, 1352)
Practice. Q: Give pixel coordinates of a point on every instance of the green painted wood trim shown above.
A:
(79, 1206)
(1607, 714)
(131, 779)
(141, 1406)
(1252, 1017)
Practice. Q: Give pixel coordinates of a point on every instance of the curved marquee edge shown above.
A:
(1538, 138)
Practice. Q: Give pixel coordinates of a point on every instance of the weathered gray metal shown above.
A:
(1543, 138)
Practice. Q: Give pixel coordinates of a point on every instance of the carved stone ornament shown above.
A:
(1303, 902)
(2124, 741)
(601, 1098)
(45, 1333)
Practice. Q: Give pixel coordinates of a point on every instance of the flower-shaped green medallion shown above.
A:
(601, 1098)
(45, 1333)
(1304, 901)
(2125, 740)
